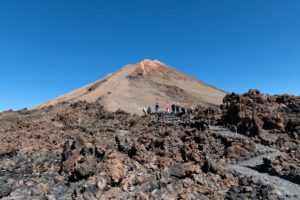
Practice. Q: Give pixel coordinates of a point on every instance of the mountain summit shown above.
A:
(138, 85)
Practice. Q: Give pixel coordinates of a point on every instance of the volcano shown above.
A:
(144, 84)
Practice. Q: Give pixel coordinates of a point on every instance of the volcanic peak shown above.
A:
(148, 66)
(151, 63)
(144, 83)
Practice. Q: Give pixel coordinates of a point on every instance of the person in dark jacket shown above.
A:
(183, 110)
(149, 110)
(156, 108)
(177, 107)
(189, 110)
(173, 108)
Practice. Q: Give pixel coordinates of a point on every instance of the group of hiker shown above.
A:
(175, 109)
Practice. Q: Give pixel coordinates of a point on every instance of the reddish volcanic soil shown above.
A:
(81, 151)
(83, 145)
(146, 83)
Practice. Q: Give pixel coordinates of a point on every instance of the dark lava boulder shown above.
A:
(4, 190)
(251, 188)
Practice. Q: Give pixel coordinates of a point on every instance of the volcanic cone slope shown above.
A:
(145, 83)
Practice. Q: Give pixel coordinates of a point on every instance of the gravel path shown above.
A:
(252, 162)
(288, 189)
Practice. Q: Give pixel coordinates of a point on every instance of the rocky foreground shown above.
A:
(272, 121)
(81, 151)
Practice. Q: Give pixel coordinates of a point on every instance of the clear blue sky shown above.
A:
(50, 47)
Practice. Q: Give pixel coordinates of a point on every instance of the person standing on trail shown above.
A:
(173, 107)
(156, 108)
(177, 107)
(168, 107)
(183, 110)
(149, 110)
(145, 110)
(189, 110)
